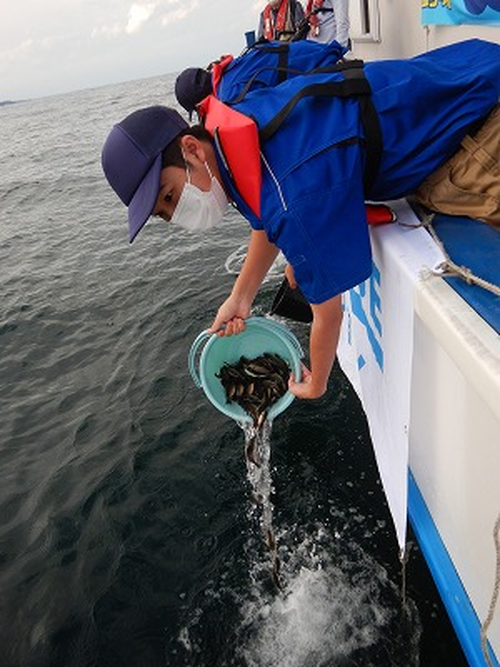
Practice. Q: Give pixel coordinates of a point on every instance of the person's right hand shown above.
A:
(230, 318)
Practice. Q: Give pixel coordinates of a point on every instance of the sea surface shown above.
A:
(127, 533)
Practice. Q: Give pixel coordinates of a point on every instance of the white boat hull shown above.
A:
(454, 450)
(434, 418)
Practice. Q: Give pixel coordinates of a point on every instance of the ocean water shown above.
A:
(127, 533)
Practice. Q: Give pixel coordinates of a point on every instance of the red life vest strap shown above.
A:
(238, 138)
(218, 70)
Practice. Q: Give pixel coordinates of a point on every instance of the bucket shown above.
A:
(261, 335)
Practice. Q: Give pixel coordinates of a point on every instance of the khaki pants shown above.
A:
(468, 183)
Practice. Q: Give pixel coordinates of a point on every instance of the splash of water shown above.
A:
(332, 605)
(336, 608)
(331, 608)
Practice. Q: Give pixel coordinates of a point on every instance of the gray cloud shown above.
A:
(62, 45)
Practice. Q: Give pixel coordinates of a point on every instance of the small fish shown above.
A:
(251, 451)
(275, 573)
(256, 370)
(257, 498)
(261, 419)
(255, 384)
(271, 542)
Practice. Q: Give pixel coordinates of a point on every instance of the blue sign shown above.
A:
(366, 307)
(456, 12)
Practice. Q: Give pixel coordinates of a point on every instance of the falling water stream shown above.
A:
(258, 441)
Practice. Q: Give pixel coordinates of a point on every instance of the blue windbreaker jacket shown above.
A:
(313, 193)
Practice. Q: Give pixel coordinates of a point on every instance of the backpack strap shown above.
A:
(354, 84)
(282, 50)
(283, 73)
(282, 68)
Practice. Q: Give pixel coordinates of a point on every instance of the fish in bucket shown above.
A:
(245, 376)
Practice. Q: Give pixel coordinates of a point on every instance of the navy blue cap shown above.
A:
(131, 159)
(192, 86)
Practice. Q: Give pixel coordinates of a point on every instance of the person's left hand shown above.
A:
(306, 387)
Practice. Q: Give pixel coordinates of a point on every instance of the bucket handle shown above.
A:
(203, 336)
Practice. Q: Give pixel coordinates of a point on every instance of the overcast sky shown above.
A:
(55, 46)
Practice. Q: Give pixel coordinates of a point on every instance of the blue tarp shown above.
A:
(474, 245)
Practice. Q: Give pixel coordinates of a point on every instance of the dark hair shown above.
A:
(172, 154)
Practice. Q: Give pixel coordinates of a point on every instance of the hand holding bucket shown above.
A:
(260, 336)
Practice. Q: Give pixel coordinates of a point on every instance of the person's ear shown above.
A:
(193, 148)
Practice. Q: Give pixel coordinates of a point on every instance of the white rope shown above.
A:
(235, 260)
(483, 632)
(449, 268)
(404, 556)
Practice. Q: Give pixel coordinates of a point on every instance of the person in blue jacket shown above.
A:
(327, 140)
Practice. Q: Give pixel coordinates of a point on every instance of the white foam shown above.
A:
(320, 615)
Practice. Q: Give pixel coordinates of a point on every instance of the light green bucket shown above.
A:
(261, 335)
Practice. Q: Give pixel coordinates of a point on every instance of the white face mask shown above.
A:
(197, 210)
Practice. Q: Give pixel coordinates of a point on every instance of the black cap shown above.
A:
(131, 159)
(192, 86)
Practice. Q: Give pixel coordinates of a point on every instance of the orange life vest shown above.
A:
(218, 70)
(237, 138)
(277, 25)
(312, 16)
